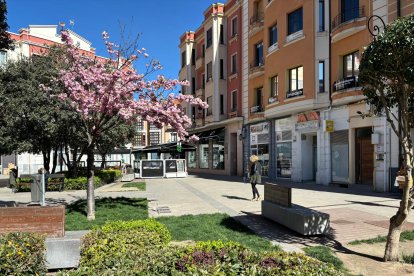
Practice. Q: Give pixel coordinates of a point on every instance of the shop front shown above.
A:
(259, 144)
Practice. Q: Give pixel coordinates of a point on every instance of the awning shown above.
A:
(217, 133)
(167, 148)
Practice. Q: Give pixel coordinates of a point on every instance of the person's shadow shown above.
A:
(235, 197)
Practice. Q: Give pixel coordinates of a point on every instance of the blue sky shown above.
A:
(159, 23)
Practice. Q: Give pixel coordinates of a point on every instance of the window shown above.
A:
(295, 21)
(203, 84)
(221, 104)
(349, 10)
(258, 97)
(234, 101)
(234, 64)
(321, 15)
(296, 78)
(204, 50)
(209, 38)
(272, 35)
(274, 86)
(193, 85)
(259, 54)
(193, 61)
(209, 71)
(140, 124)
(351, 64)
(321, 76)
(139, 140)
(221, 69)
(173, 137)
(3, 58)
(234, 26)
(154, 138)
(183, 59)
(221, 34)
(210, 106)
(153, 127)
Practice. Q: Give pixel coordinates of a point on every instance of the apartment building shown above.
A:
(288, 88)
(211, 58)
(35, 40)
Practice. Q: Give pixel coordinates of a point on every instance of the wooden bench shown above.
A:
(277, 206)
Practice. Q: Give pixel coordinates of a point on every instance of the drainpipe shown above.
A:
(398, 8)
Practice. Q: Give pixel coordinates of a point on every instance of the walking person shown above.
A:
(255, 176)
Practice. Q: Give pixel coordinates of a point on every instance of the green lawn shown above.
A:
(140, 185)
(119, 208)
(405, 236)
(324, 254)
(214, 227)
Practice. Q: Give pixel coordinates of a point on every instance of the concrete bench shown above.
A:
(277, 206)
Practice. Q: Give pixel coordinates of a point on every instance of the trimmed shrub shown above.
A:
(81, 183)
(108, 176)
(22, 254)
(120, 244)
(213, 258)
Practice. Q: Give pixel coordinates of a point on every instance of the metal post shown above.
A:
(42, 191)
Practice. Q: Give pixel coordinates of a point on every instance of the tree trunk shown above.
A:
(54, 161)
(46, 160)
(103, 161)
(74, 163)
(90, 191)
(397, 221)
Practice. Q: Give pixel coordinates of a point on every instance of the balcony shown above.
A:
(256, 109)
(345, 83)
(233, 113)
(199, 63)
(294, 93)
(199, 92)
(348, 15)
(256, 67)
(256, 23)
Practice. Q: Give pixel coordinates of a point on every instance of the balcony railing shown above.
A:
(256, 66)
(256, 109)
(348, 15)
(258, 18)
(345, 83)
(294, 93)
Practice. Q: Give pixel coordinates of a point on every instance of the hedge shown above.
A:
(22, 254)
(142, 248)
(79, 183)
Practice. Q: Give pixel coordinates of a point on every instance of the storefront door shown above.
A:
(364, 157)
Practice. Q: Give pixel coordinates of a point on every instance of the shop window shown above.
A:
(259, 145)
(203, 149)
(191, 159)
(284, 148)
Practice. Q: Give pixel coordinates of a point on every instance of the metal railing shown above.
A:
(256, 109)
(348, 15)
(256, 66)
(257, 18)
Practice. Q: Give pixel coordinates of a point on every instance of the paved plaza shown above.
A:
(355, 213)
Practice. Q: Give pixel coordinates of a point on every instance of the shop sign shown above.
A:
(310, 116)
(329, 126)
(253, 139)
(308, 125)
(260, 128)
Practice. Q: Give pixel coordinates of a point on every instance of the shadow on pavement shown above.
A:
(235, 197)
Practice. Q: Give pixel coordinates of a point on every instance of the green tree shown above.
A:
(387, 77)
(6, 42)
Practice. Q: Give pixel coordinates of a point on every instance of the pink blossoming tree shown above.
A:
(104, 92)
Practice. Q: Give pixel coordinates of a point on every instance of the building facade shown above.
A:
(300, 102)
(211, 61)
